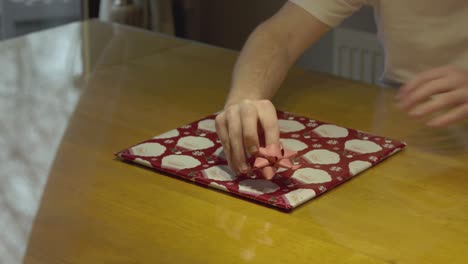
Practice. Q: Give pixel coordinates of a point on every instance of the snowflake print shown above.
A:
(186, 133)
(317, 145)
(311, 124)
(322, 188)
(377, 139)
(198, 153)
(336, 168)
(373, 158)
(332, 142)
(186, 126)
(388, 146)
(336, 148)
(314, 140)
(301, 118)
(295, 135)
(317, 166)
(311, 121)
(205, 166)
(339, 178)
(168, 141)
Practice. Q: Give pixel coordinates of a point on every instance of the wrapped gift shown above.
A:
(326, 155)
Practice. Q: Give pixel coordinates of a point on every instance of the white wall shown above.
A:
(320, 56)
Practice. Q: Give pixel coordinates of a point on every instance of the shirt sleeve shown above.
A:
(330, 12)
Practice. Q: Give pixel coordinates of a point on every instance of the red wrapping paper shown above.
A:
(328, 156)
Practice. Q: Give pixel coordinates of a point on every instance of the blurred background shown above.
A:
(36, 89)
(350, 50)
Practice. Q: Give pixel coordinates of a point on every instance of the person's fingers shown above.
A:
(223, 135)
(234, 125)
(425, 91)
(450, 117)
(238, 130)
(421, 79)
(249, 119)
(269, 121)
(437, 103)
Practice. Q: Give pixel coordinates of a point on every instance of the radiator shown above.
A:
(357, 55)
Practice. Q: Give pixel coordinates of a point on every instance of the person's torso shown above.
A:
(422, 34)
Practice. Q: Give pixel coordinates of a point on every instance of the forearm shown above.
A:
(261, 67)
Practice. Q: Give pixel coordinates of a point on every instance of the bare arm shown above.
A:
(270, 52)
(261, 68)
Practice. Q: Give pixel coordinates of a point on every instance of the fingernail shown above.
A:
(253, 149)
(244, 167)
(414, 113)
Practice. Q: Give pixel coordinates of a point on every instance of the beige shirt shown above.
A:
(417, 35)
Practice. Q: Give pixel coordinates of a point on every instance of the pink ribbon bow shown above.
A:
(272, 157)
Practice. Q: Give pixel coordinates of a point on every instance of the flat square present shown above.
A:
(329, 155)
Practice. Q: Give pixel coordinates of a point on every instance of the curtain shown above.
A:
(162, 19)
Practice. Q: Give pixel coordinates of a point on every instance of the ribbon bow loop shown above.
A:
(272, 157)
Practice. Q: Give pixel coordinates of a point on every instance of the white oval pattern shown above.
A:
(195, 143)
(309, 175)
(207, 125)
(257, 187)
(218, 186)
(357, 166)
(180, 162)
(362, 146)
(143, 162)
(394, 152)
(293, 144)
(299, 196)
(220, 173)
(321, 156)
(287, 126)
(149, 149)
(220, 153)
(331, 131)
(281, 169)
(169, 134)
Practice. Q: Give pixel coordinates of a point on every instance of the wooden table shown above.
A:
(74, 95)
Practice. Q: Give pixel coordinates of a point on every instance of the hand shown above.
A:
(441, 91)
(238, 129)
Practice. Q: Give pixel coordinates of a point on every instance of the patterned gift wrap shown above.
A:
(328, 154)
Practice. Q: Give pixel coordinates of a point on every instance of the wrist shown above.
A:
(236, 99)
